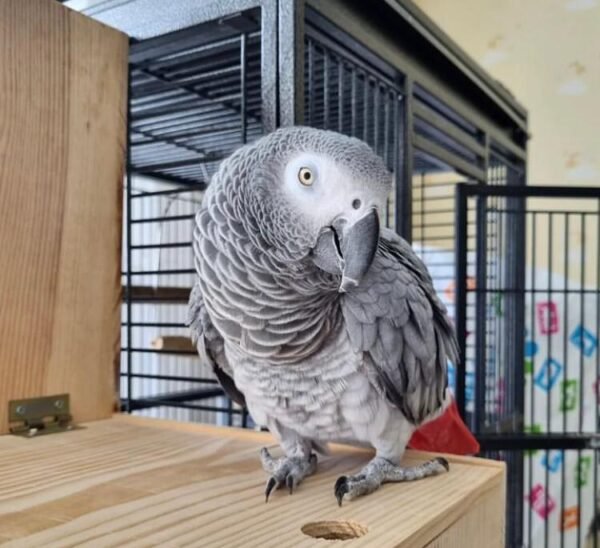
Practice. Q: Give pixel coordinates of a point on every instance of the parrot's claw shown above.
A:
(380, 471)
(290, 481)
(288, 471)
(270, 486)
(341, 488)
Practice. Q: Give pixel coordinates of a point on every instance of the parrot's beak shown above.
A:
(326, 253)
(358, 246)
(348, 249)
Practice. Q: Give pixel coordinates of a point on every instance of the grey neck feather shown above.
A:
(264, 294)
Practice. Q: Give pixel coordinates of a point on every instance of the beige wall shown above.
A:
(547, 53)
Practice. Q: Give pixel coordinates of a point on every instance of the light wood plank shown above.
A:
(63, 90)
(485, 521)
(141, 482)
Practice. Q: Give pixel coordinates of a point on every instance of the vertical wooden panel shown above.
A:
(63, 86)
(482, 523)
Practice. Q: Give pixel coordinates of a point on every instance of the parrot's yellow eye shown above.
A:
(305, 176)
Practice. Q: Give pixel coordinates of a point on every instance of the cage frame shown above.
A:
(425, 61)
(446, 71)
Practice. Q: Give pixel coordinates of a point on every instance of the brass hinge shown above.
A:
(40, 416)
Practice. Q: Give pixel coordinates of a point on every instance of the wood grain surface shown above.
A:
(63, 86)
(132, 482)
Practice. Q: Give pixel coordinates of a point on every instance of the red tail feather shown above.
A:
(446, 434)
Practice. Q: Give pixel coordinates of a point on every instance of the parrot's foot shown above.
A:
(380, 471)
(289, 471)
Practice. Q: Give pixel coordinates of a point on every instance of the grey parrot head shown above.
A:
(312, 196)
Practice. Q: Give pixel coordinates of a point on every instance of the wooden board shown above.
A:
(480, 527)
(132, 482)
(173, 343)
(63, 86)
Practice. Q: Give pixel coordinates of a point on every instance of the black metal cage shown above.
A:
(209, 76)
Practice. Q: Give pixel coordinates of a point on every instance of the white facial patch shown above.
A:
(332, 193)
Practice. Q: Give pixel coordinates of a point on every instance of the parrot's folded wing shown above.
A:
(395, 317)
(210, 344)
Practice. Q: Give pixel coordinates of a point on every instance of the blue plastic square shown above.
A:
(584, 340)
(548, 374)
(552, 460)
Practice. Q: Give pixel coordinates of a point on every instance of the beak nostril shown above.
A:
(356, 203)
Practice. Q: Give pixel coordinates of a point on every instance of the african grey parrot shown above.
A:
(324, 324)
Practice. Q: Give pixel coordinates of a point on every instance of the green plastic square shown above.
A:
(568, 395)
(582, 471)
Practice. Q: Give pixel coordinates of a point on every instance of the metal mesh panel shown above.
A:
(433, 185)
(195, 97)
(448, 150)
(532, 347)
(343, 92)
(194, 101)
(562, 326)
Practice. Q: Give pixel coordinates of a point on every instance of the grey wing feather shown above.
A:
(210, 344)
(396, 318)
